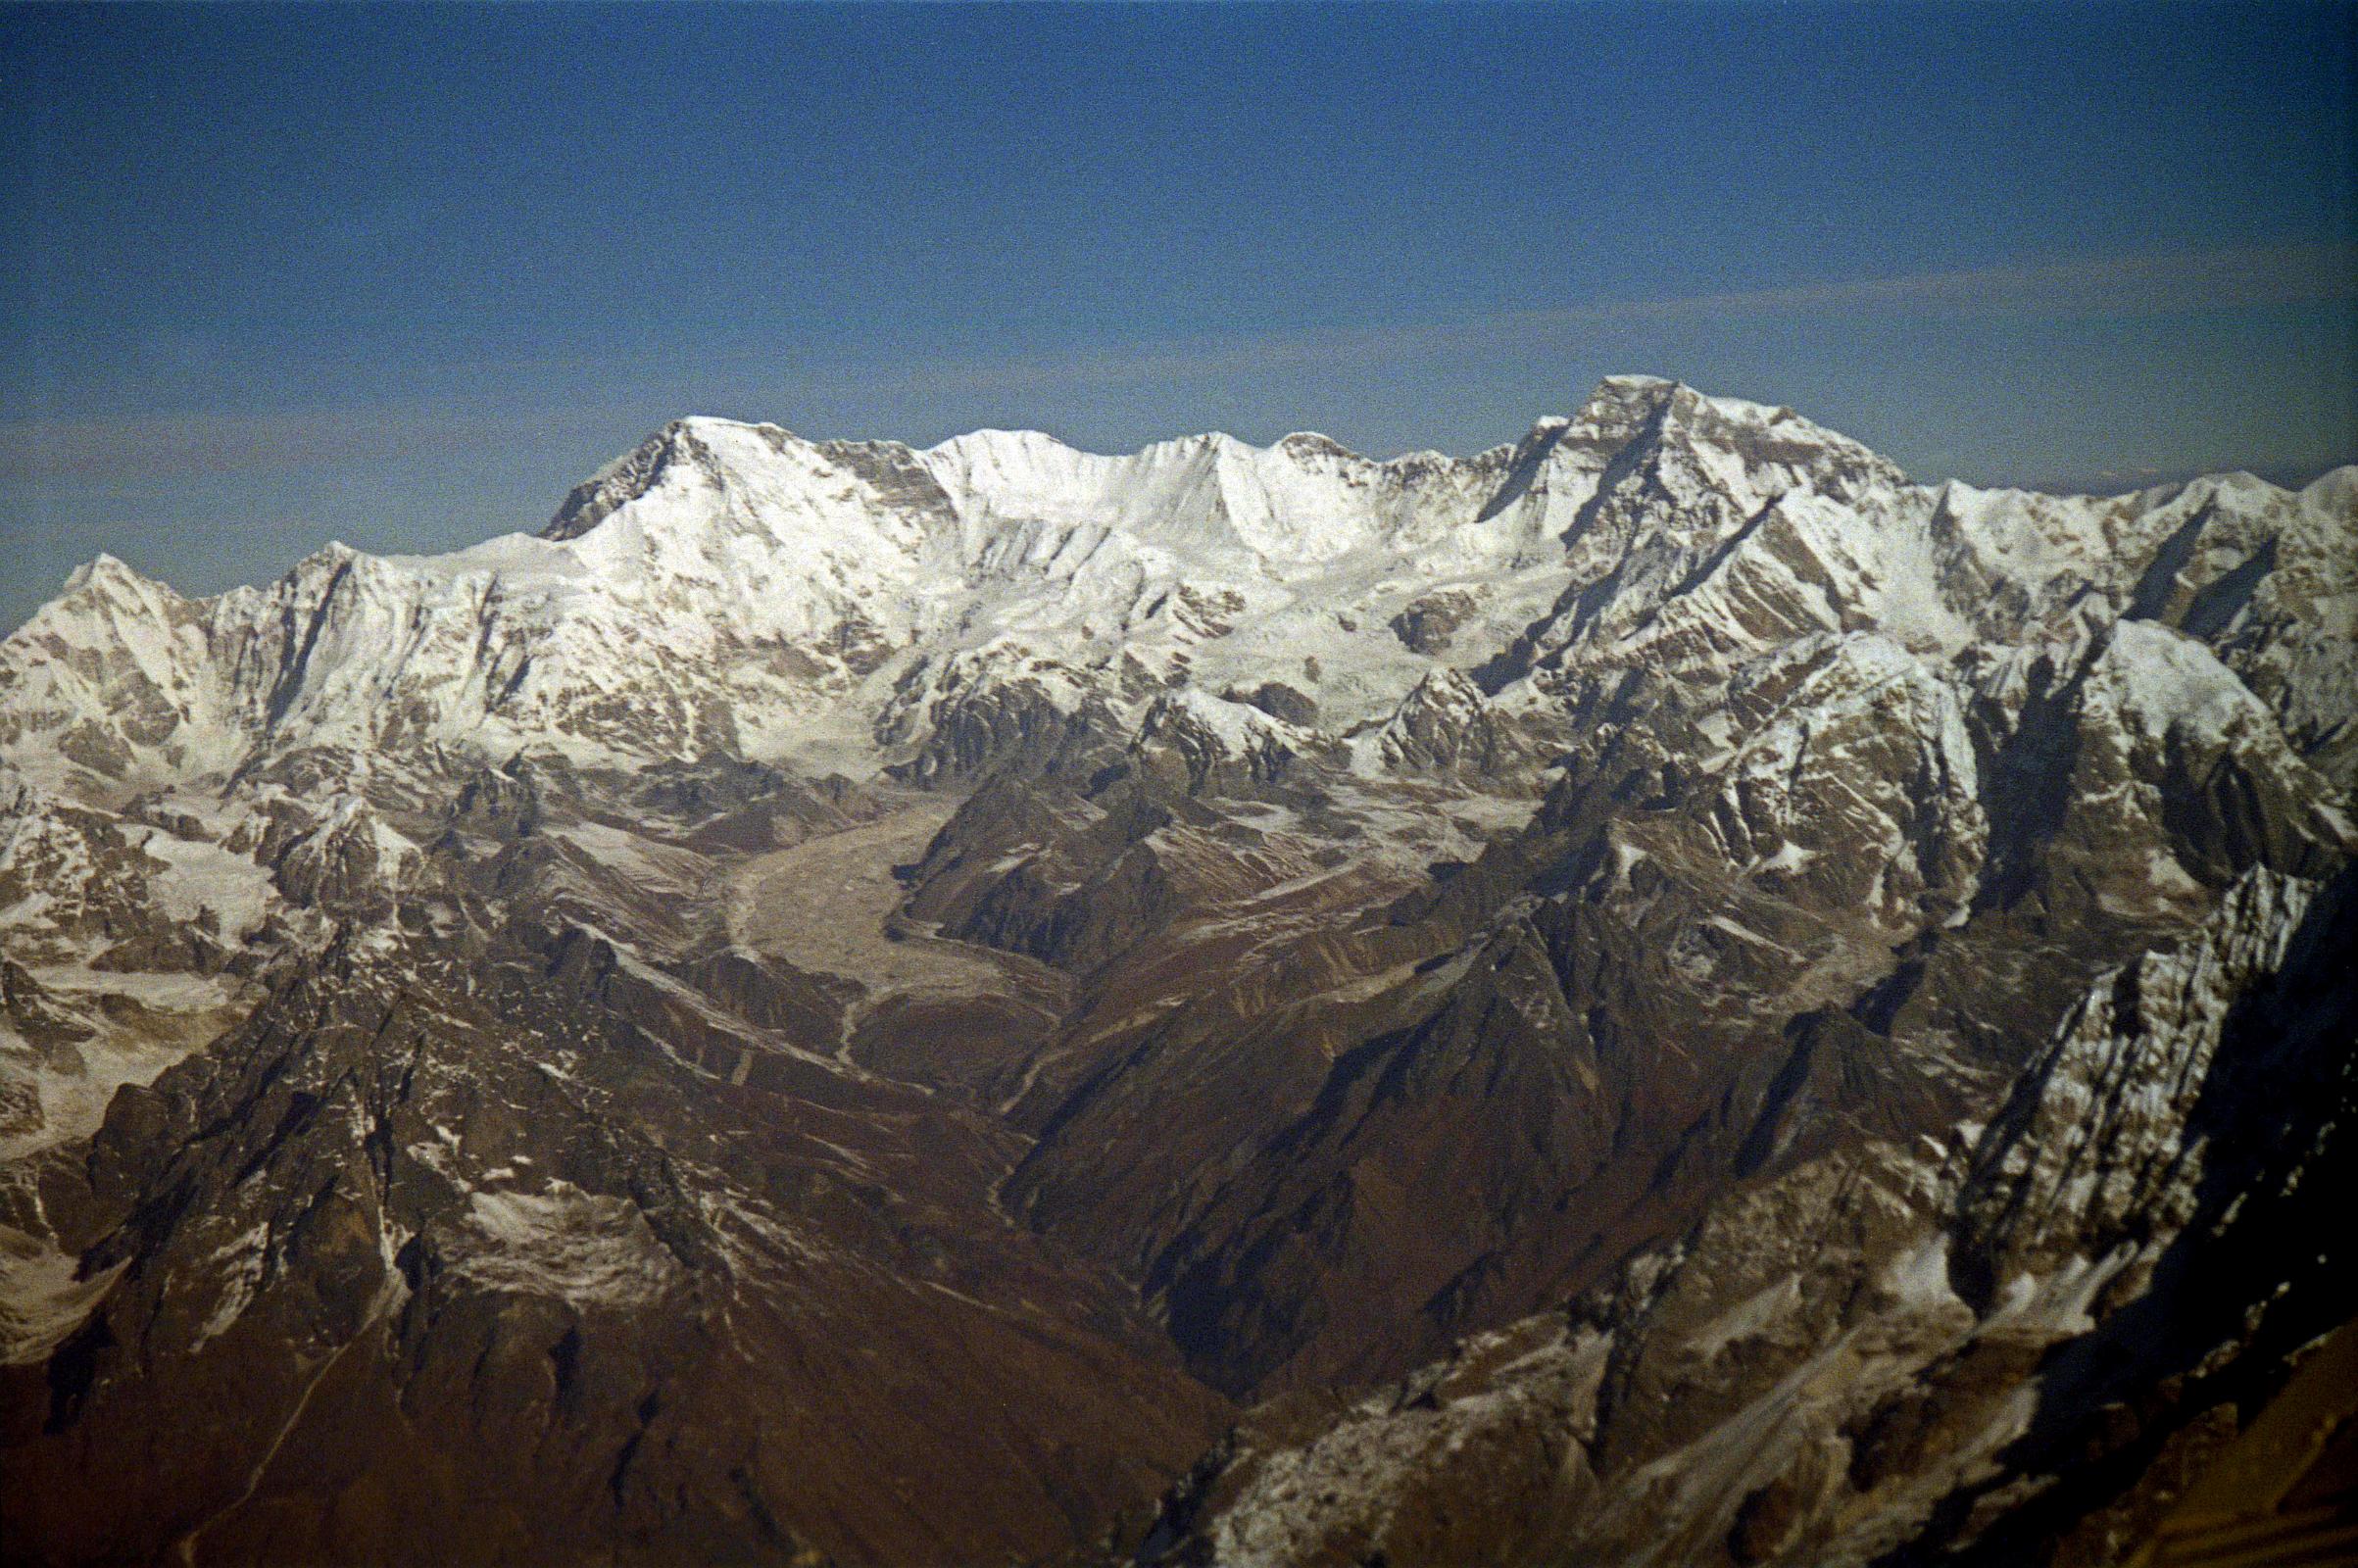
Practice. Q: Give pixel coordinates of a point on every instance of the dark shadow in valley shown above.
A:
(2283, 1084)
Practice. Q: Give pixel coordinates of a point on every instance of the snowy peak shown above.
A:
(1784, 449)
(622, 481)
(1303, 501)
(1212, 742)
(733, 586)
(104, 572)
(1444, 725)
(826, 900)
(687, 443)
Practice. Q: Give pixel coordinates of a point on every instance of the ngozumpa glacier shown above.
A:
(1658, 994)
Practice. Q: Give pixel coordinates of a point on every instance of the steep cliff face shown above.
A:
(2000, 1341)
(967, 961)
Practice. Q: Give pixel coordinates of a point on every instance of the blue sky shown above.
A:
(401, 274)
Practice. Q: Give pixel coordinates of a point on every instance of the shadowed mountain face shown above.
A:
(1659, 994)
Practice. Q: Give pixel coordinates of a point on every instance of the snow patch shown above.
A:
(580, 1246)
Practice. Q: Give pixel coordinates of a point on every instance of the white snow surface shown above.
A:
(734, 587)
(563, 1243)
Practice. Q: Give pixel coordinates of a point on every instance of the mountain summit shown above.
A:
(1660, 993)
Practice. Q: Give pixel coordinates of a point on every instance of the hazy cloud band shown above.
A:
(134, 450)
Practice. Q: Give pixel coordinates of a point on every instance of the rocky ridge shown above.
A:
(527, 1017)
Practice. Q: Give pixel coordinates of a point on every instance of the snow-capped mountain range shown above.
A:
(734, 587)
(775, 910)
